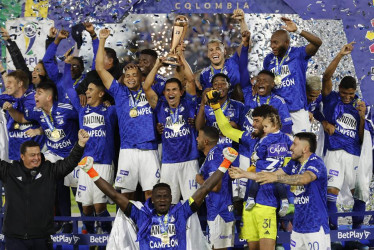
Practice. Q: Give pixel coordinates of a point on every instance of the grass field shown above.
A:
(75, 209)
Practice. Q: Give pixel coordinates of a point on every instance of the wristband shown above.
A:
(3, 72)
(224, 165)
(298, 31)
(93, 174)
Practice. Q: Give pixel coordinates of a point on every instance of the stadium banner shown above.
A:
(30, 34)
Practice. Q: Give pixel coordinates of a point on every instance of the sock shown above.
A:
(331, 208)
(90, 225)
(358, 206)
(105, 225)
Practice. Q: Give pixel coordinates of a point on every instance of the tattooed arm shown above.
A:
(281, 177)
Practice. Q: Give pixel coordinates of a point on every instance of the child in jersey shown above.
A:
(268, 156)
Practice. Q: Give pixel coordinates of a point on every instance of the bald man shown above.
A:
(289, 64)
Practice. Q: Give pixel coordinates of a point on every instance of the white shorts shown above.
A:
(300, 120)
(341, 168)
(181, 177)
(314, 241)
(239, 185)
(136, 165)
(221, 233)
(88, 193)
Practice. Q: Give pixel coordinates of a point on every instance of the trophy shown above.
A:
(179, 31)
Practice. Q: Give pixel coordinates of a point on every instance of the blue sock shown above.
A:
(105, 225)
(358, 206)
(331, 208)
(90, 225)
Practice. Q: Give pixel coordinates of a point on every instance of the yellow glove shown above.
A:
(213, 97)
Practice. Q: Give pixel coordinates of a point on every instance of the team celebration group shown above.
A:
(259, 147)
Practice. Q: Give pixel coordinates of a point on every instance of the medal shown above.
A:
(55, 134)
(133, 113)
(16, 125)
(277, 80)
(165, 239)
(176, 127)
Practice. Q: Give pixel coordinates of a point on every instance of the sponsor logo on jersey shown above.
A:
(277, 150)
(93, 120)
(347, 121)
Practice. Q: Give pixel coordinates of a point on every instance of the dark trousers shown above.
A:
(32, 244)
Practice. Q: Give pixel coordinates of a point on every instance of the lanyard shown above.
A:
(49, 119)
(258, 100)
(174, 116)
(164, 224)
(302, 165)
(135, 100)
(76, 81)
(225, 105)
(278, 67)
(212, 71)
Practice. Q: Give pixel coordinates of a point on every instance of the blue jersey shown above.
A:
(266, 194)
(137, 132)
(230, 68)
(151, 226)
(271, 151)
(346, 120)
(179, 137)
(293, 73)
(17, 131)
(218, 203)
(100, 123)
(315, 108)
(275, 101)
(311, 199)
(64, 120)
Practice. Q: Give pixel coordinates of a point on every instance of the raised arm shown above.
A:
(186, 72)
(15, 53)
(95, 41)
(15, 114)
(105, 76)
(230, 155)
(87, 166)
(150, 94)
(246, 34)
(222, 121)
(327, 75)
(314, 41)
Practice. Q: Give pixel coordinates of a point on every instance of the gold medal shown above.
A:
(278, 80)
(165, 239)
(55, 134)
(16, 126)
(133, 113)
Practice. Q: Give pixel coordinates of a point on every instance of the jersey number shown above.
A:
(193, 184)
(267, 223)
(313, 245)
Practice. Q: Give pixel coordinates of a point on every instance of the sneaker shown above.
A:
(250, 204)
(356, 245)
(284, 208)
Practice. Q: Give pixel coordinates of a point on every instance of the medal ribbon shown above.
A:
(164, 228)
(225, 105)
(49, 119)
(278, 67)
(174, 116)
(136, 99)
(76, 81)
(258, 100)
